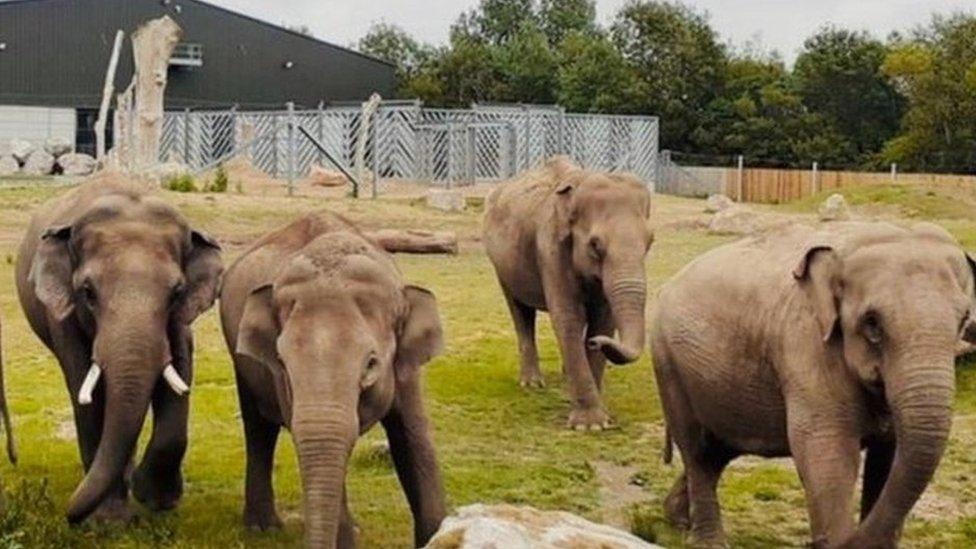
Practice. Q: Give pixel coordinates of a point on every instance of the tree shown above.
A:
(839, 76)
(494, 21)
(594, 76)
(528, 67)
(413, 60)
(559, 18)
(936, 70)
(679, 60)
(468, 73)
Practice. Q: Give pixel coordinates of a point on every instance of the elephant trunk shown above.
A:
(920, 392)
(324, 437)
(131, 371)
(627, 294)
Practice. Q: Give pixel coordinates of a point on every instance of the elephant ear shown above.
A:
(51, 272)
(969, 335)
(202, 270)
(257, 339)
(818, 276)
(566, 191)
(420, 335)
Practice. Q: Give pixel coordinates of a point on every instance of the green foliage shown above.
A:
(560, 18)
(183, 183)
(594, 76)
(528, 67)
(220, 182)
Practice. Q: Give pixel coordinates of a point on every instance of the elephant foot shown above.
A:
(590, 419)
(159, 492)
(113, 510)
(676, 510)
(262, 520)
(533, 380)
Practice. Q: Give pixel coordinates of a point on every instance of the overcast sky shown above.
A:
(780, 25)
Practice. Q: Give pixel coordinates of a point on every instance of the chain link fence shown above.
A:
(404, 141)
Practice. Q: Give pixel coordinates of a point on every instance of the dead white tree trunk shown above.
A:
(107, 92)
(365, 124)
(152, 47)
(415, 242)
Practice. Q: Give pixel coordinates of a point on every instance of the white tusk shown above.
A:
(87, 386)
(175, 381)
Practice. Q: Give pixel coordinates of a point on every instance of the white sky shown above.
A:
(778, 24)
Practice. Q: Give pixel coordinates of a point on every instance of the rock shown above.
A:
(321, 177)
(21, 150)
(58, 147)
(510, 527)
(718, 203)
(737, 220)
(39, 163)
(8, 166)
(835, 209)
(446, 200)
(77, 164)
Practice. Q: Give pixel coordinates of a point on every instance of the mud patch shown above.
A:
(618, 493)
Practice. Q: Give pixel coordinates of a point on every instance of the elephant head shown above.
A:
(134, 276)
(894, 310)
(603, 218)
(336, 330)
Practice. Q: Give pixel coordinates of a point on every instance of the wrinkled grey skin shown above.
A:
(573, 243)
(110, 275)
(4, 411)
(327, 341)
(815, 345)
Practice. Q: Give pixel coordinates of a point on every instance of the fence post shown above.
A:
(290, 132)
(894, 173)
(186, 137)
(320, 120)
(741, 175)
(813, 181)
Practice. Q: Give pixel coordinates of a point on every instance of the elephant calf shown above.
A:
(815, 345)
(328, 340)
(110, 279)
(573, 243)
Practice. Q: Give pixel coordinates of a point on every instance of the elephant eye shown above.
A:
(177, 292)
(871, 328)
(596, 247)
(372, 362)
(88, 290)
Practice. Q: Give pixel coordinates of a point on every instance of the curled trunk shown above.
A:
(920, 393)
(323, 440)
(627, 294)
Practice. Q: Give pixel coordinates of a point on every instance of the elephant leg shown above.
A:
(569, 323)
(158, 481)
(599, 322)
(827, 460)
(414, 457)
(73, 352)
(346, 539)
(676, 506)
(880, 455)
(261, 438)
(523, 317)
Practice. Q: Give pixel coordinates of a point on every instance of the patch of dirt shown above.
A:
(66, 430)
(618, 493)
(936, 507)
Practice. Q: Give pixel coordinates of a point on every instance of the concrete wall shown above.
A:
(692, 181)
(37, 124)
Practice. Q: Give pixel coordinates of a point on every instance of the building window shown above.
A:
(187, 55)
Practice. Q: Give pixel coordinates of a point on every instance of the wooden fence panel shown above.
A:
(769, 186)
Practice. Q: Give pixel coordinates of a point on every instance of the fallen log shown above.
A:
(416, 242)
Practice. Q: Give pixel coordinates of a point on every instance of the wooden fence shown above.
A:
(777, 186)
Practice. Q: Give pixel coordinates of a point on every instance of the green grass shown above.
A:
(496, 442)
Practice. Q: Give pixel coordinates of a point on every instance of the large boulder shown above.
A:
(58, 147)
(21, 150)
(737, 221)
(510, 527)
(446, 200)
(718, 203)
(39, 163)
(8, 166)
(835, 208)
(77, 164)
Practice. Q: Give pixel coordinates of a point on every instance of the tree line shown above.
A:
(850, 101)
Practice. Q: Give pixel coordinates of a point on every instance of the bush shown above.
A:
(182, 184)
(220, 182)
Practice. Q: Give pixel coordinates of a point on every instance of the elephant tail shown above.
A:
(668, 446)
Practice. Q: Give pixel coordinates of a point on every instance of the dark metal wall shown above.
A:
(56, 53)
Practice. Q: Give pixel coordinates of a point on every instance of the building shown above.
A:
(54, 54)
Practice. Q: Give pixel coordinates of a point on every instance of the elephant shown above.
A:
(110, 279)
(573, 242)
(816, 344)
(4, 410)
(327, 340)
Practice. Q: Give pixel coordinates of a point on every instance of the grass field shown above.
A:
(496, 442)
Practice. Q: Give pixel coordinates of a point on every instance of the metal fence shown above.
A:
(407, 142)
